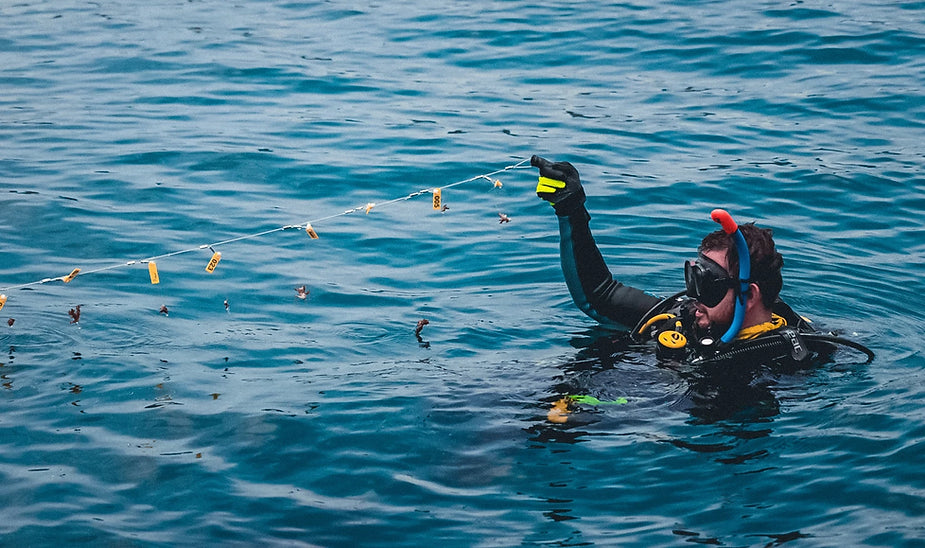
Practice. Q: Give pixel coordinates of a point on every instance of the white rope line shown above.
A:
(303, 226)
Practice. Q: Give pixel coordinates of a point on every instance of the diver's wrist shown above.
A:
(570, 205)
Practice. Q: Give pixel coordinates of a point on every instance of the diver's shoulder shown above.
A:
(793, 319)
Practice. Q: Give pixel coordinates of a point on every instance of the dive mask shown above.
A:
(707, 281)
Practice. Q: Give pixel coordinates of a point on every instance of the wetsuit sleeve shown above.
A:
(589, 280)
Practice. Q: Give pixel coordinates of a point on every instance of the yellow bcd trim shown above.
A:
(653, 319)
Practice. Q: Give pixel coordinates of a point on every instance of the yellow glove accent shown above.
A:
(548, 185)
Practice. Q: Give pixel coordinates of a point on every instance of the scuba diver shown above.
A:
(730, 312)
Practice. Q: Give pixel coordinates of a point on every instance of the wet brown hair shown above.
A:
(766, 262)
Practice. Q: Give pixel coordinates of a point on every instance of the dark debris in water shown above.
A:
(417, 332)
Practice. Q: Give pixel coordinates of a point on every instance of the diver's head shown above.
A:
(710, 279)
(713, 288)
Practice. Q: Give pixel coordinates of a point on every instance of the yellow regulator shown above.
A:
(671, 343)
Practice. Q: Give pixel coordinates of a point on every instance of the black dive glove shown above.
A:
(559, 185)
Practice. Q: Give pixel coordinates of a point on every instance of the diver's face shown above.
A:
(719, 316)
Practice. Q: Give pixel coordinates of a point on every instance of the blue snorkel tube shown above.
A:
(745, 271)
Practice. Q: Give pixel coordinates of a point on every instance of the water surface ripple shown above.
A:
(137, 129)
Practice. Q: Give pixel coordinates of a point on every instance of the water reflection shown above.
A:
(5, 380)
(725, 415)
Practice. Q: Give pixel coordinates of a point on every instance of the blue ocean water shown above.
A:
(133, 130)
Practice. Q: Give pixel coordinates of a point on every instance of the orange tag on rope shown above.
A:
(213, 262)
(369, 206)
(311, 231)
(437, 199)
(71, 276)
(2, 301)
(152, 270)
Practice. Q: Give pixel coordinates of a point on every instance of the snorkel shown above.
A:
(730, 227)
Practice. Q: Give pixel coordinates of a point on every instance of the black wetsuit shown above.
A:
(609, 301)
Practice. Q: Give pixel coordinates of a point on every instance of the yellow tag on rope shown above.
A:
(311, 231)
(152, 270)
(71, 276)
(369, 206)
(213, 262)
(2, 301)
(437, 199)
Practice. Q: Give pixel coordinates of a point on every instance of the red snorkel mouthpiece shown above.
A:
(722, 217)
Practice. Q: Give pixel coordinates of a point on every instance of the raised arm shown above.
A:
(589, 281)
